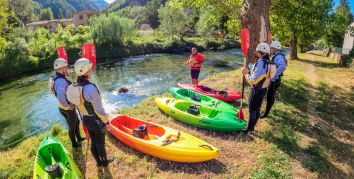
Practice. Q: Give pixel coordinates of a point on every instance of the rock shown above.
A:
(123, 90)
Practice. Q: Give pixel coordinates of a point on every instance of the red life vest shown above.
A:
(199, 58)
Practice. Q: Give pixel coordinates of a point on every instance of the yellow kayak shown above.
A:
(160, 141)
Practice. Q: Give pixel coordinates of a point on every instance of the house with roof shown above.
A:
(80, 18)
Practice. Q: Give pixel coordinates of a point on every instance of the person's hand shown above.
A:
(244, 70)
(108, 127)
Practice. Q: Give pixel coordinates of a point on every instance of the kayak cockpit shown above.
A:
(137, 128)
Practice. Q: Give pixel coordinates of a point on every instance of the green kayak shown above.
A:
(54, 161)
(197, 98)
(200, 116)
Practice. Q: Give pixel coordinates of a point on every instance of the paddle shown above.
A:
(245, 45)
(89, 52)
(62, 53)
(269, 38)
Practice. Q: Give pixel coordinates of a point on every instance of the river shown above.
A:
(27, 108)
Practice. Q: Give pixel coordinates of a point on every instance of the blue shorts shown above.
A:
(195, 74)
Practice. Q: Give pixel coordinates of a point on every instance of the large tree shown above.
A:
(234, 14)
(5, 14)
(299, 23)
(172, 20)
(255, 17)
(338, 23)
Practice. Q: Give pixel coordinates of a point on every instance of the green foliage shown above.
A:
(60, 14)
(111, 30)
(46, 14)
(56, 129)
(24, 10)
(172, 20)
(5, 14)
(207, 24)
(347, 61)
(226, 12)
(338, 23)
(152, 14)
(135, 13)
(302, 21)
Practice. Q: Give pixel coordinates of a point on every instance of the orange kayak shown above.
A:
(160, 141)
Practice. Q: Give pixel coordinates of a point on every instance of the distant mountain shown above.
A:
(120, 4)
(68, 7)
(101, 4)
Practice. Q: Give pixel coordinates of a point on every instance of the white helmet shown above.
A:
(263, 47)
(82, 66)
(59, 63)
(275, 44)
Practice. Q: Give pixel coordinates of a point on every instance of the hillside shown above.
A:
(100, 4)
(120, 4)
(68, 7)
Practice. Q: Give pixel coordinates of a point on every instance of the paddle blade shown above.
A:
(240, 114)
(245, 41)
(62, 53)
(269, 37)
(89, 52)
(86, 131)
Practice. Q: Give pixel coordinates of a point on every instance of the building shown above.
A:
(80, 18)
(348, 42)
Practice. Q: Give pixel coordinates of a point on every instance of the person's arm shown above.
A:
(96, 100)
(281, 66)
(60, 88)
(258, 74)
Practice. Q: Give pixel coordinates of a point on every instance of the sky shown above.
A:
(109, 1)
(351, 2)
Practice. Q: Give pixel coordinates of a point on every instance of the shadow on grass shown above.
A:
(213, 166)
(80, 160)
(333, 109)
(321, 63)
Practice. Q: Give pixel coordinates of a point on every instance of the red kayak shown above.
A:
(218, 94)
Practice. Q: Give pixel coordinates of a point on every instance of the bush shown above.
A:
(346, 61)
(111, 30)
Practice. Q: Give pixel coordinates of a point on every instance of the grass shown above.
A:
(309, 134)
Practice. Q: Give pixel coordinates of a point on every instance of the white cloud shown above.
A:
(110, 1)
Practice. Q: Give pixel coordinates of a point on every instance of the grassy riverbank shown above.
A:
(309, 134)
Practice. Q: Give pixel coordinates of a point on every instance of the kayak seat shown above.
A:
(193, 110)
(196, 97)
(54, 171)
(223, 94)
(140, 132)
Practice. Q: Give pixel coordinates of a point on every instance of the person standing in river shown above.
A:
(195, 61)
(58, 84)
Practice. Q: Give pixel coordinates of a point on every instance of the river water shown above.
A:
(27, 108)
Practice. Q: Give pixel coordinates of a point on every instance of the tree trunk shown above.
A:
(293, 47)
(255, 17)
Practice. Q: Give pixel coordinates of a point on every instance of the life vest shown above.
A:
(75, 96)
(51, 82)
(198, 65)
(286, 61)
(270, 73)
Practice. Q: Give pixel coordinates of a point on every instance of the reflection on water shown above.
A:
(27, 106)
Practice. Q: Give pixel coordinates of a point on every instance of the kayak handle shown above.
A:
(206, 146)
(67, 166)
(167, 142)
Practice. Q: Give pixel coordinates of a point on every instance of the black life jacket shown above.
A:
(57, 76)
(88, 105)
